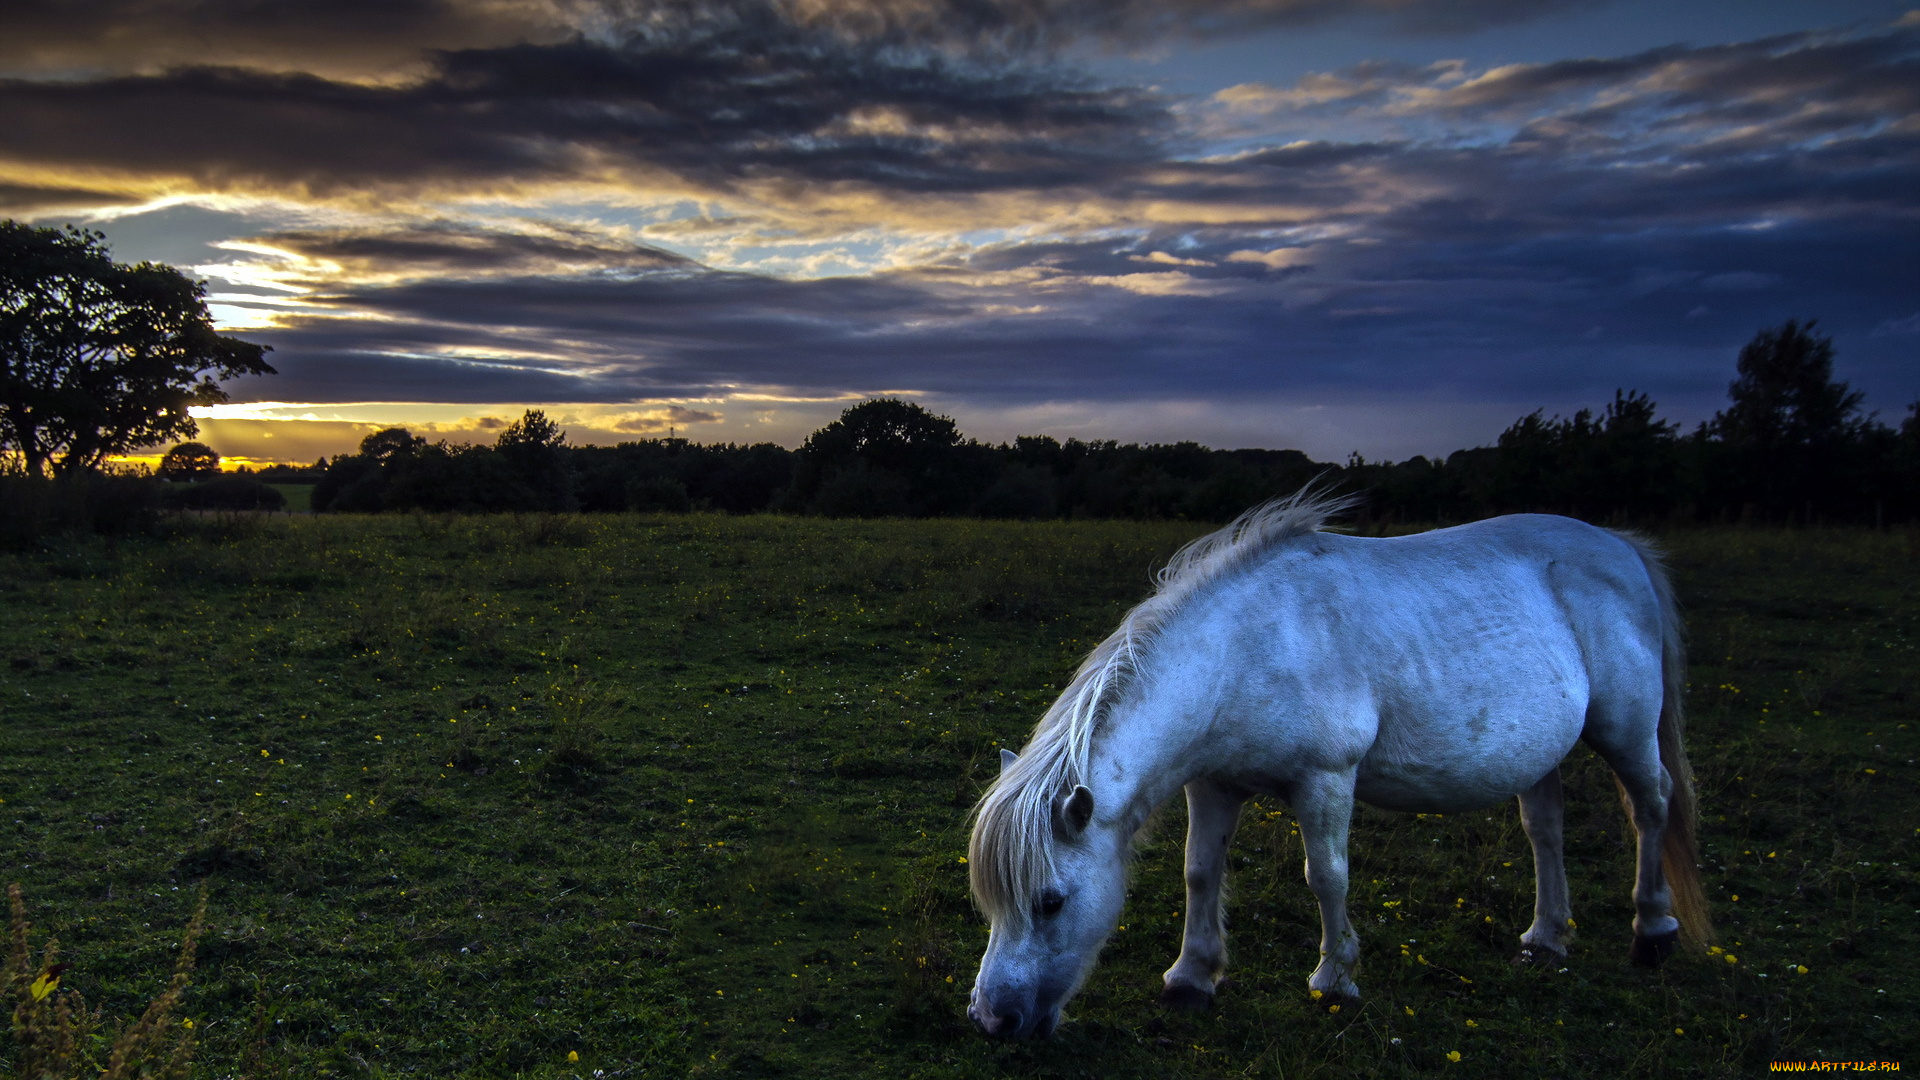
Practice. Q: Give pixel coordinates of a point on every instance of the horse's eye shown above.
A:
(1050, 903)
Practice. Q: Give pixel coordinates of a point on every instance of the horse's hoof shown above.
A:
(1649, 952)
(1186, 998)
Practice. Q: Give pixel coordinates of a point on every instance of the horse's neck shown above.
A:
(1140, 759)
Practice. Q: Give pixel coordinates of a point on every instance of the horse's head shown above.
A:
(1052, 889)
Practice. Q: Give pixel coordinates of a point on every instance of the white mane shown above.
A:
(1011, 853)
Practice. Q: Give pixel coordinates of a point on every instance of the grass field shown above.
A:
(299, 497)
(686, 796)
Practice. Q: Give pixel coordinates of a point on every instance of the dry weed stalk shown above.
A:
(51, 1026)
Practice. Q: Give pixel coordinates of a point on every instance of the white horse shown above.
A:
(1439, 672)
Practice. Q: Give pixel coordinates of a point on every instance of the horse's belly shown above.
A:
(1442, 776)
(1413, 793)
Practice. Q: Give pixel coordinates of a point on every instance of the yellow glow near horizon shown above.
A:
(299, 433)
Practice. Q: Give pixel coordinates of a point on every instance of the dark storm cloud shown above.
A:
(1773, 90)
(459, 249)
(362, 36)
(713, 102)
(710, 109)
(664, 335)
(253, 96)
(370, 36)
(1023, 24)
(1546, 231)
(1547, 319)
(1725, 137)
(26, 200)
(1533, 267)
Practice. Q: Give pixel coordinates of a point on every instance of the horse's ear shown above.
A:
(1007, 758)
(1073, 813)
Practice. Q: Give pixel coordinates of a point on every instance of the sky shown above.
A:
(1385, 227)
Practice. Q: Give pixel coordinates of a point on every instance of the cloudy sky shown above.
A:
(1385, 226)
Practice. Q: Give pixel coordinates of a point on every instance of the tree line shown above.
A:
(1792, 445)
(99, 358)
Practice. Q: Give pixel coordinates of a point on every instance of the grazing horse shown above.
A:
(1439, 672)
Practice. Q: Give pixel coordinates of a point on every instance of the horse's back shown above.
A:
(1468, 660)
(1588, 583)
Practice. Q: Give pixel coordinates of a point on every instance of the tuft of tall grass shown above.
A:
(930, 952)
(577, 708)
(54, 1036)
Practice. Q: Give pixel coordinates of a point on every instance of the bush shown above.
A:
(33, 510)
(226, 493)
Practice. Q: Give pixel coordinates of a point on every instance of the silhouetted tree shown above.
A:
(533, 432)
(389, 444)
(1789, 427)
(533, 449)
(189, 461)
(358, 483)
(1623, 463)
(887, 457)
(98, 357)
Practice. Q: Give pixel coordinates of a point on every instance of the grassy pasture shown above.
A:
(299, 497)
(685, 796)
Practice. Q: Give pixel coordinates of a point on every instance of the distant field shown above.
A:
(685, 796)
(299, 497)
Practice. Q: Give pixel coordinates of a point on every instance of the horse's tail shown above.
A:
(1679, 857)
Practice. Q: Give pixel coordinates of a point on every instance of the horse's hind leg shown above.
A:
(1542, 811)
(1648, 787)
(1324, 804)
(1212, 815)
(1655, 930)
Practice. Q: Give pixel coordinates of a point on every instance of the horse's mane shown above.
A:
(1011, 853)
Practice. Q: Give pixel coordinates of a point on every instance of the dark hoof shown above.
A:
(1650, 952)
(1187, 998)
(1537, 956)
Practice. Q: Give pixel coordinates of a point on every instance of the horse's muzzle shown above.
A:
(1009, 1025)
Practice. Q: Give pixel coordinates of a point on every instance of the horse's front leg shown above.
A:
(1542, 810)
(1324, 805)
(1212, 815)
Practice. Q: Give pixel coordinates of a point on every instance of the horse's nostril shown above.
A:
(1010, 1024)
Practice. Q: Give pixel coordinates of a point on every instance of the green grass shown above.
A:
(299, 497)
(685, 795)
